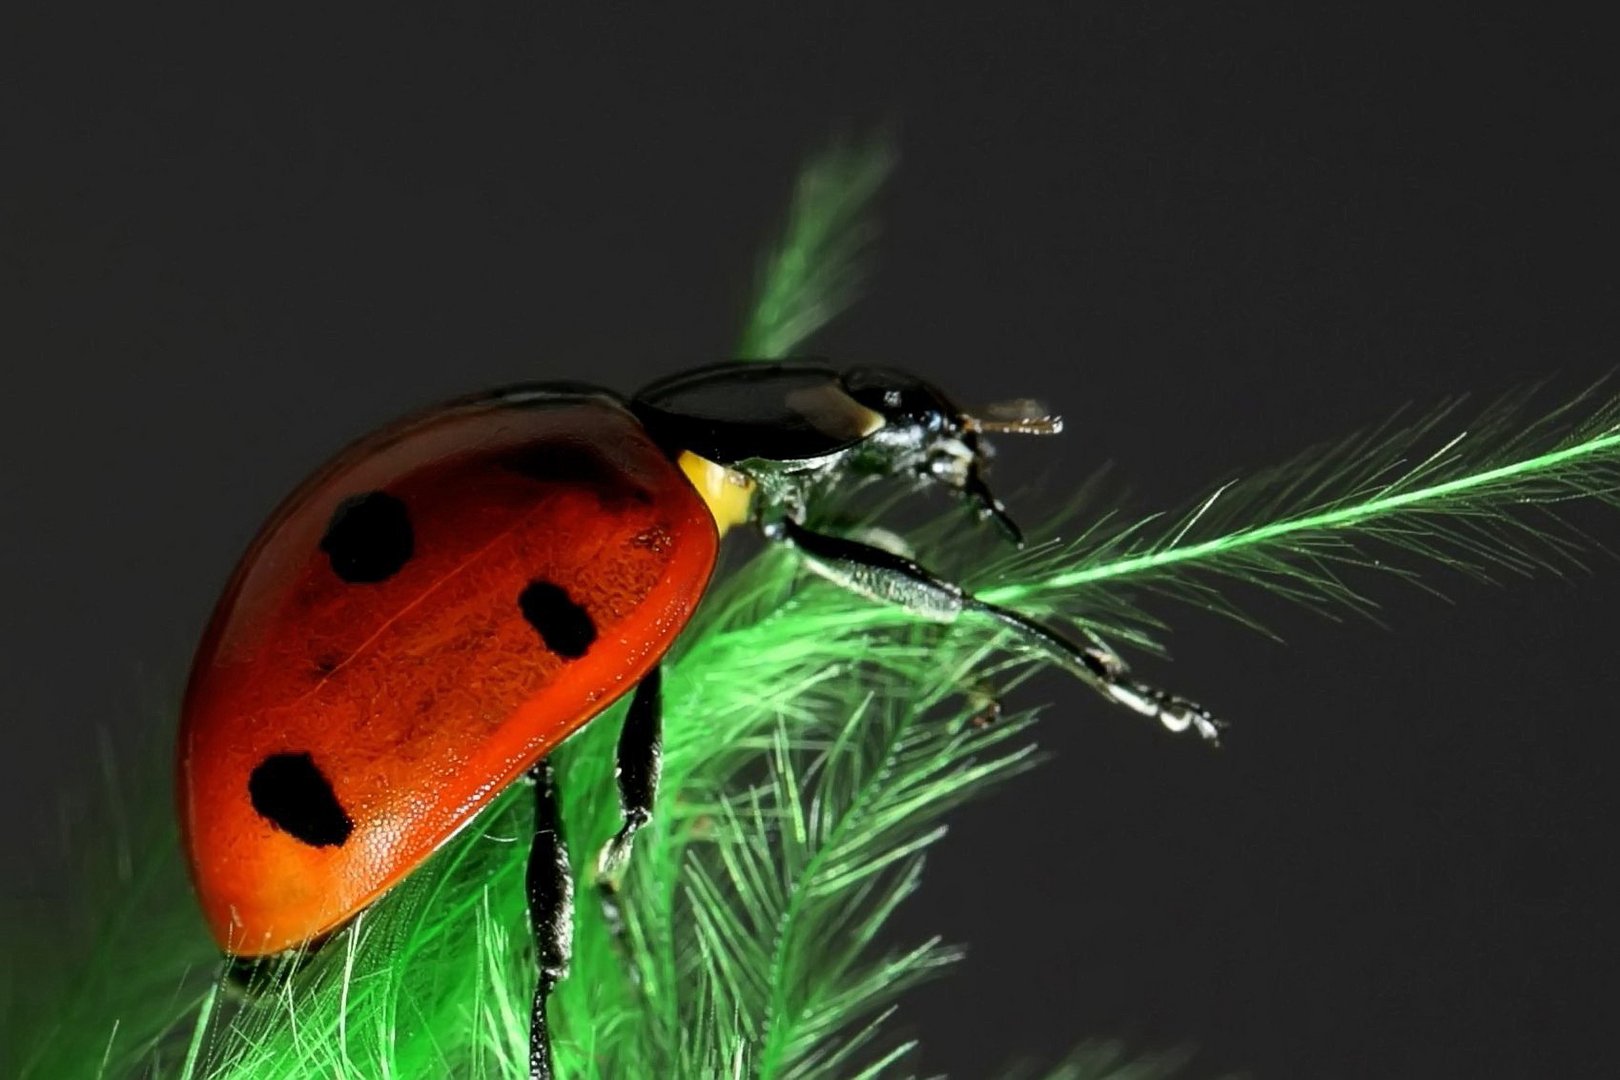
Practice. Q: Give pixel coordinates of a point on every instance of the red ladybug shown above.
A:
(430, 614)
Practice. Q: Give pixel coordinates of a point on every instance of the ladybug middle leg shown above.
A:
(884, 576)
(550, 888)
(640, 762)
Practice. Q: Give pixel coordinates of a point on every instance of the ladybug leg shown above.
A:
(551, 912)
(884, 576)
(1114, 681)
(640, 761)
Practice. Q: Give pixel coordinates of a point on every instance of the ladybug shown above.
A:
(428, 616)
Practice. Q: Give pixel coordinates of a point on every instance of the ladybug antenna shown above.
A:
(1023, 416)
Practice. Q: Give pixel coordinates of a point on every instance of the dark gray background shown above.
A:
(230, 243)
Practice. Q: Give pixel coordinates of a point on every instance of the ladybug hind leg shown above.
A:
(550, 888)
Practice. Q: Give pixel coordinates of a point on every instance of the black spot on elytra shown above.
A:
(369, 538)
(292, 794)
(563, 625)
(572, 463)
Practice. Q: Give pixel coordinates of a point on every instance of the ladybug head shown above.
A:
(926, 430)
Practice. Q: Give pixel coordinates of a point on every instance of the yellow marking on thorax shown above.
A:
(726, 492)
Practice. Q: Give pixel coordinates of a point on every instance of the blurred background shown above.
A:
(1213, 235)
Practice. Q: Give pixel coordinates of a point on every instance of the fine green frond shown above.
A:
(818, 267)
(801, 871)
(1480, 499)
(1112, 1060)
(98, 978)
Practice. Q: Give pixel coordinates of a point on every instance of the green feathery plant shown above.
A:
(814, 744)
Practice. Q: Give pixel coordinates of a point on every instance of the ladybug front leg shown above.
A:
(884, 576)
(551, 912)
